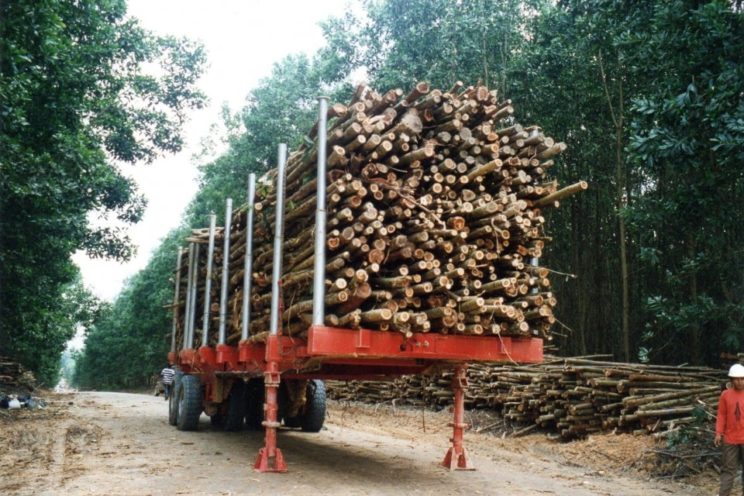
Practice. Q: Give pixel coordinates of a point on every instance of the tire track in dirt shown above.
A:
(121, 444)
(33, 447)
(80, 441)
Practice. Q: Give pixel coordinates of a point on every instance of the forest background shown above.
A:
(647, 95)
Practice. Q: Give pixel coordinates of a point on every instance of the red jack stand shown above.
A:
(270, 458)
(456, 457)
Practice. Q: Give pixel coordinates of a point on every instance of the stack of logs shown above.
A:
(434, 219)
(570, 397)
(14, 378)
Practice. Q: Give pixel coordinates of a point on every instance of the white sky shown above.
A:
(243, 38)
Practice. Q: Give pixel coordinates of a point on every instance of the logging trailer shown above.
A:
(279, 381)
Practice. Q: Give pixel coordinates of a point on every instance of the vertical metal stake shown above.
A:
(194, 290)
(248, 267)
(225, 270)
(187, 296)
(278, 240)
(320, 218)
(176, 294)
(208, 282)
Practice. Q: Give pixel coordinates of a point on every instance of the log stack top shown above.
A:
(434, 214)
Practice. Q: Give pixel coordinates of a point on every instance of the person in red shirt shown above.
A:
(730, 428)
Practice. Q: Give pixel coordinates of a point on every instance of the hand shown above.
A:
(718, 439)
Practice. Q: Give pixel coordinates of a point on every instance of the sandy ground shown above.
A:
(121, 444)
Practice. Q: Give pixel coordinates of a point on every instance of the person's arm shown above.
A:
(720, 420)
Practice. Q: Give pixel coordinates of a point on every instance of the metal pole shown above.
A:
(176, 294)
(187, 310)
(278, 237)
(194, 286)
(534, 261)
(320, 218)
(248, 267)
(225, 270)
(208, 282)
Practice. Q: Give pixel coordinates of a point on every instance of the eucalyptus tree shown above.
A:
(130, 337)
(688, 143)
(578, 82)
(400, 42)
(76, 105)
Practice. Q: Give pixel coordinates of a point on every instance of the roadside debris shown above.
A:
(16, 385)
(13, 402)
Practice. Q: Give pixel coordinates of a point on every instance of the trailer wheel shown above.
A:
(173, 400)
(283, 407)
(254, 403)
(217, 421)
(293, 421)
(314, 417)
(189, 403)
(236, 407)
(283, 404)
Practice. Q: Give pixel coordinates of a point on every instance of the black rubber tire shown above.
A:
(236, 407)
(217, 421)
(293, 421)
(189, 403)
(315, 408)
(282, 398)
(173, 400)
(254, 402)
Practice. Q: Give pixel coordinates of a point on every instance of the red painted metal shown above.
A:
(228, 356)
(364, 343)
(457, 457)
(190, 358)
(346, 353)
(207, 357)
(270, 458)
(333, 353)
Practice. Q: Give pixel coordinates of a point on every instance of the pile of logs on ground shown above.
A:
(570, 397)
(434, 212)
(14, 378)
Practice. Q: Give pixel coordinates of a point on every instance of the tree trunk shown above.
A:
(622, 201)
(695, 329)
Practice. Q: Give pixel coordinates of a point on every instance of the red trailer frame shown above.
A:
(352, 354)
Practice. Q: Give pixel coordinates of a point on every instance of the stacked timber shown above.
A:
(571, 397)
(435, 220)
(400, 391)
(14, 377)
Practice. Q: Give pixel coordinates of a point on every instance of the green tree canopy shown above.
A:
(76, 104)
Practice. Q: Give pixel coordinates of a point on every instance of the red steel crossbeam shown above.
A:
(364, 343)
(362, 351)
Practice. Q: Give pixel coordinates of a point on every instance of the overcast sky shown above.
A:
(243, 38)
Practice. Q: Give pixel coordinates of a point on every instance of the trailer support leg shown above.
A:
(270, 458)
(457, 457)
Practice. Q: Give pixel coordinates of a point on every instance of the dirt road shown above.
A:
(121, 444)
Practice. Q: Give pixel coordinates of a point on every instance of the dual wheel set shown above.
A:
(302, 404)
